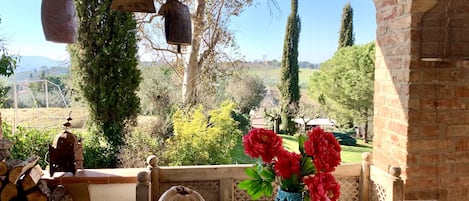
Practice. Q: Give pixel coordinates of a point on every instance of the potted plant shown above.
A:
(299, 176)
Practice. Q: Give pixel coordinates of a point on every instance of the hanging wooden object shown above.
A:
(177, 24)
(59, 21)
(145, 6)
(66, 152)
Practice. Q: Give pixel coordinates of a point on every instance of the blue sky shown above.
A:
(258, 32)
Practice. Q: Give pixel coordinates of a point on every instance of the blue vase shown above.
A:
(288, 196)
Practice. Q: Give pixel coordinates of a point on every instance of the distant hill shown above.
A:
(31, 63)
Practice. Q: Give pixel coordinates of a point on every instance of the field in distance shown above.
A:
(44, 117)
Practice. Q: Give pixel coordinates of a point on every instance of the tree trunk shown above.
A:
(192, 68)
(365, 132)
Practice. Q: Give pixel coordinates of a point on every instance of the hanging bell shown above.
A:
(145, 6)
(177, 24)
(59, 21)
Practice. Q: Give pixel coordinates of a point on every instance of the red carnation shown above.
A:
(324, 148)
(287, 163)
(322, 187)
(262, 142)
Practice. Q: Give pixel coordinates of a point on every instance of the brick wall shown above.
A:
(421, 121)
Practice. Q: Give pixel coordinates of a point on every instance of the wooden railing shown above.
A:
(219, 182)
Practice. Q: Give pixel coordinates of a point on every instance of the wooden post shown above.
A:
(143, 186)
(397, 184)
(365, 176)
(226, 189)
(152, 162)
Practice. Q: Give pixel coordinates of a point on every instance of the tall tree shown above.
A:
(346, 36)
(7, 68)
(7, 61)
(105, 61)
(289, 88)
(344, 85)
(209, 58)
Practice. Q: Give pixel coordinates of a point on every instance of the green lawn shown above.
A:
(349, 154)
(272, 75)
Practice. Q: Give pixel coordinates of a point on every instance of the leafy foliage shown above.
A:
(247, 93)
(346, 36)
(29, 142)
(158, 91)
(139, 146)
(344, 84)
(289, 71)
(7, 68)
(213, 56)
(202, 139)
(260, 182)
(105, 62)
(7, 61)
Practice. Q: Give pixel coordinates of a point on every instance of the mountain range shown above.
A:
(31, 63)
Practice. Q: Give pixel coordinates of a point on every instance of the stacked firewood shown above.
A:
(20, 180)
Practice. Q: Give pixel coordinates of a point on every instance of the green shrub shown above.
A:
(27, 142)
(203, 139)
(345, 139)
(97, 153)
(139, 145)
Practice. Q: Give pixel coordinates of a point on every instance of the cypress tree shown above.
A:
(288, 87)
(346, 36)
(105, 61)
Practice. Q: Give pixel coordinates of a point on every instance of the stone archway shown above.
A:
(421, 120)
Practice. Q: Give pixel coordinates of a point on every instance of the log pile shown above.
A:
(20, 180)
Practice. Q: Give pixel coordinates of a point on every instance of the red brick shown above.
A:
(459, 169)
(457, 130)
(398, 127)
(423, 145)
(450, 104)
(421, 117)
(428, 158)
(422, 170)
(457, 157)
(423, 90)
(428, 182)
(461, 91)
(461, 144)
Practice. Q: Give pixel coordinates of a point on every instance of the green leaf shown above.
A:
(268, 174)
(301, 144)
(307, 166)
(256, 190)
(252, 172)
(246, 184)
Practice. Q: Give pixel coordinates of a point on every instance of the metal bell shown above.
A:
(59, 21)
(145, 6)
(177, 25)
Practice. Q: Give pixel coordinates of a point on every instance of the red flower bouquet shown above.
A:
(310, 170)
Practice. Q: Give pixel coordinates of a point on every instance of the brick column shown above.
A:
(421, 120)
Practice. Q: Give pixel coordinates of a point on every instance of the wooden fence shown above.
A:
(219, 182)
